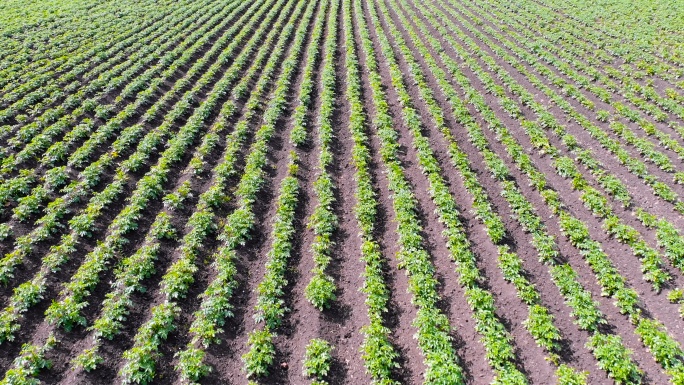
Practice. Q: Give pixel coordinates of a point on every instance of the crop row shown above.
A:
(611, 281)
(323, 222)
(82, 225)
(215, 305)
(433, 328)
(43, 101)
(566, 168)
(539, 322)
(379, 355)
(174, 280)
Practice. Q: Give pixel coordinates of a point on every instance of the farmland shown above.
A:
(342, 192)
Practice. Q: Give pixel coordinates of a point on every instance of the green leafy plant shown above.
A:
(320, 291)
(614, 358)
(317, 360)
(89, 359)
(260, 355)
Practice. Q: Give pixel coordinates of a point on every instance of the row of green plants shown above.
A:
(215, 304)
(651, 262)
(34, 137)
(202, 223)
(433, 330)
(636, 69)
(70, 44)
(379, 355)
(305, 98)
(30, 292)
(594, 200)
(27, 127)
(497, 341)
(66, 312)
(129, 277)
(57, 152)
(82, 187)
(46, 85)
(635, 166)
(652, 54)
(539, 322)
(670, 238)
(320, 291)
(612, 283)
(584, 309)
(30, 361)
(270, 308)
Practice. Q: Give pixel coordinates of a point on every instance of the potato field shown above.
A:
(337, 192)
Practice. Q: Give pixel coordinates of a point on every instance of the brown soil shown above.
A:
(341, 324)
(663, 310)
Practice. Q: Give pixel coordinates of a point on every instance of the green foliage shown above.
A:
(675, 295)
(176, 198)
(432, 327)
(320, 291)
(139, 367)
(162, 228)
(602, 115)
(191, 365)
(540, 325)
(614, 358)
(317, 360)
(89, 359)
(556, 71)
(260, 355)
(568, 376)
(380, 357)
(5, 231)
(28, 363)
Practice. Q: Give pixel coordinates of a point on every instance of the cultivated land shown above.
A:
(342, 192)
